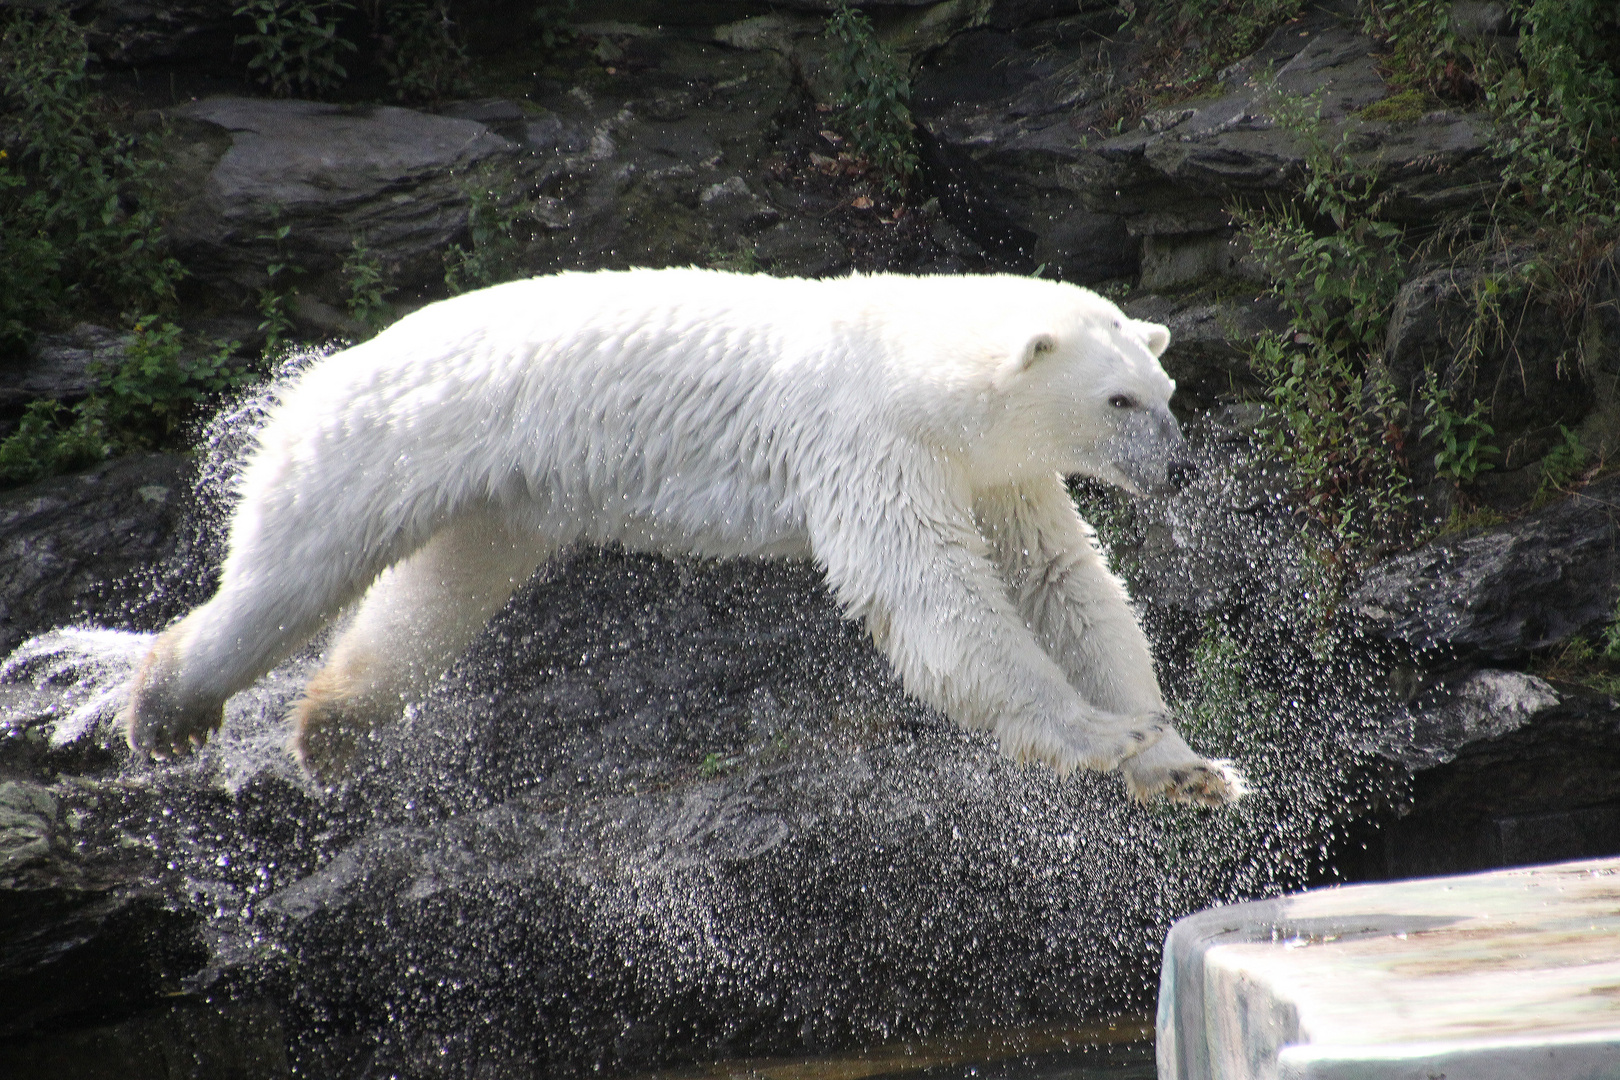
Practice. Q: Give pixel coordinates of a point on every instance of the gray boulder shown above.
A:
(59, 366)
(83, 547)
(1503, 593)
(331, 174)
(1496, 768)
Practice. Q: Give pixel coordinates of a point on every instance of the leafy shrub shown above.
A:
(1334, 417)
(491, 227)
(78, 218)
(422, 50)
(276, 297)
(874, 110)
(1562, 465)
(367, 287)
(1195, 39)
(296, 45)
(1463, 450)
(553, 20)
(142, 401)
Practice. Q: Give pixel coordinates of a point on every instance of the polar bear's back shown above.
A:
(686, 410)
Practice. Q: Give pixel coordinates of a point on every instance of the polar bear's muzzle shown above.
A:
(1148, 452)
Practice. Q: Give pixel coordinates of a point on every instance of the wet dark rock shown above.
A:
(664, 167)
(1530, 380)
(86, 928)
(59, 366)
(80, 547)
(1500, 769)
(330, 174)
(1209, 342)
(242, 1042)
(1022, 160)
(1503, 593)
(138, 33)
(664, 810)
(1480, 706)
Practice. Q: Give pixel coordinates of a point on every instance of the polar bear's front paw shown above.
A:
(1104, 747)
(1171, 768)
(158, 720)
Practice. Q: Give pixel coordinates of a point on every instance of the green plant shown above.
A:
(1420, 43)
(141, 401)
(874, 110)
(422, 50)
(1610, 647)
(44, 445)
(1580, 660)
(296, 44)
(1404, 107)
(1558, 115)
(367, 287)
(1461, 437)
(1195, 39)
(78, 215)
(553, 21)
(1561, 465)
(1463, 519)
(156, 386)
(741, 260)
(277, 297)
(1334, 416)
(491, 228)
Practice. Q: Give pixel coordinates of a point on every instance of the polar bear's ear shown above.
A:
(1035, 348)
(1156, 337)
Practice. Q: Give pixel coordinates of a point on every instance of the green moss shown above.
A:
(1401, 108)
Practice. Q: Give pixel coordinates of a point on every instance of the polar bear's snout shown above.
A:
(1149, 451)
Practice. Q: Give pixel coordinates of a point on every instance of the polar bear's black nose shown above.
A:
(1180, 474)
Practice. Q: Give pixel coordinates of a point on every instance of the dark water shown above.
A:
(1121, 1050)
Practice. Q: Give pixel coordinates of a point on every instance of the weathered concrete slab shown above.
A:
(1492, 976)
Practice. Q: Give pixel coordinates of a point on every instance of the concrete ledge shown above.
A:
(1509, 974)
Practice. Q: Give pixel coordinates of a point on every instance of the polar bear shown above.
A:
(911, 435)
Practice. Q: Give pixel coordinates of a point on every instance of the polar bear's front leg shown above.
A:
(1081, 615)
(934, 605)
(418, 616)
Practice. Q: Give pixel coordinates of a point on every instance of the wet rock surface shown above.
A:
(668, 811)
(328, 174)
(86, 546)
(1504, 592)
(663, 810)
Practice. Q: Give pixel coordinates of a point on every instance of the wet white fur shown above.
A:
(908, 434)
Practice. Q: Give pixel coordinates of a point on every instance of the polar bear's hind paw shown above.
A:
(159, 722)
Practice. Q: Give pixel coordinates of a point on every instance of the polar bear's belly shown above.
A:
(727, 516)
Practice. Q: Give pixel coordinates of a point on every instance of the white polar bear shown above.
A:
(910, 435)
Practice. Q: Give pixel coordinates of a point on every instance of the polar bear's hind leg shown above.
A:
(414, 621)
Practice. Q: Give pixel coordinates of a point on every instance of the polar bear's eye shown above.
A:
(1122, 401)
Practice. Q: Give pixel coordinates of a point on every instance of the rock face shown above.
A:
(668, 811)
(1507, 591)
(59, 366)
(330, 175)
(725, 829)
(1026, 178)
(1505, 770)
(84, 546)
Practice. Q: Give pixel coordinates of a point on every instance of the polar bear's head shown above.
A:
(1086, 392)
